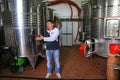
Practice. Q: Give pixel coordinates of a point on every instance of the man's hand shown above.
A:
(39, 38)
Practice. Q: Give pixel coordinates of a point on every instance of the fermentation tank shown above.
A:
(86, 18)
(97, 20)
(26, 24)
(112, 19)
(104, 28)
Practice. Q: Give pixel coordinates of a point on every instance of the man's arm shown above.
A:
(52, 37)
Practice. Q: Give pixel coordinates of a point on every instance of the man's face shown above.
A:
(50, 25)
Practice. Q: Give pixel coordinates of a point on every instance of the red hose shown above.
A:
(70, 10)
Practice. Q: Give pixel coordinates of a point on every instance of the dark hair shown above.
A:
(50, 21)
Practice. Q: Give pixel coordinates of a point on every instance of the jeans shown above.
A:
(55, 55)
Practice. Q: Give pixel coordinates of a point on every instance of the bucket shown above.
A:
(114, 48)
(82, 48)
(112, 74)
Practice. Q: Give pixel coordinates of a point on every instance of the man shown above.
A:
(52, 48)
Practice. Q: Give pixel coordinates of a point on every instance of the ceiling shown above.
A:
(63, 10)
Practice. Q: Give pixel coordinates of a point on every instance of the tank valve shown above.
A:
(116, 67)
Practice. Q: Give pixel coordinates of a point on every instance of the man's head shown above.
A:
(50, 24)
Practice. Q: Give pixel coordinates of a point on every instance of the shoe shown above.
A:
(48, 75)
(58, 75)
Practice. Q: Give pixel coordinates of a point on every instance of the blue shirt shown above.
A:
(51, 39)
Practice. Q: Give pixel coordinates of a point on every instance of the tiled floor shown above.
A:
(73, 66)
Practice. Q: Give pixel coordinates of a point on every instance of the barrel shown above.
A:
(112, 74)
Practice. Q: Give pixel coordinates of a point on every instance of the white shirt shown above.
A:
(53, 35)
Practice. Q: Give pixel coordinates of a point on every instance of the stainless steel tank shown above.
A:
(113, 8)
(5, 22)
(101, 11)
(97, 19)
(26, 19)
(86, 18)
(97, 27)
(112, 19)
(2, 39)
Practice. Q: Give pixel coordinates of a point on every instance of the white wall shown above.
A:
(67, 33)
(74, 31)
(63, 10)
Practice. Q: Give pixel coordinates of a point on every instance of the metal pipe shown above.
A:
(116, 67)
